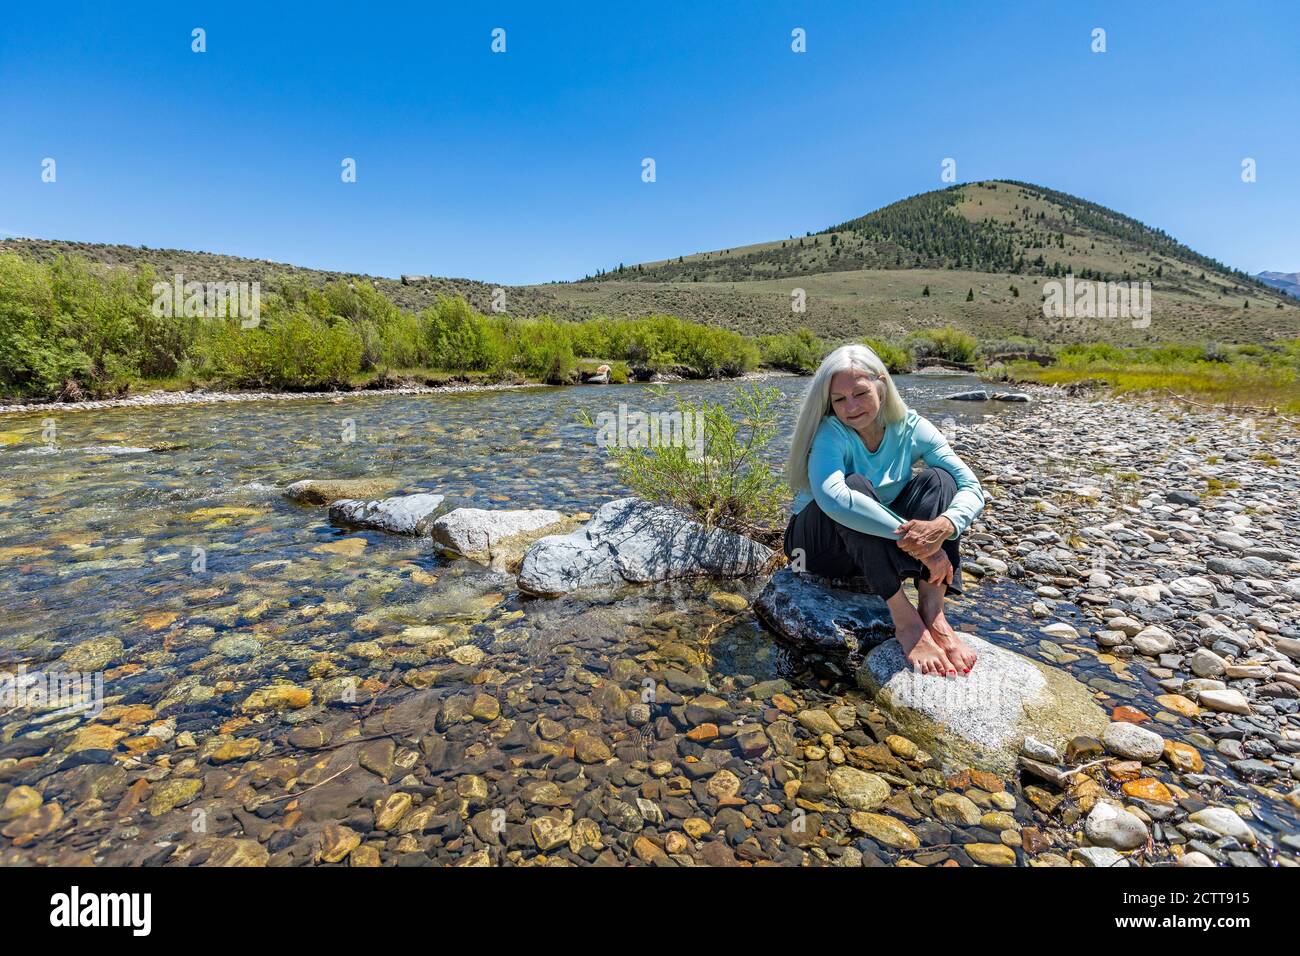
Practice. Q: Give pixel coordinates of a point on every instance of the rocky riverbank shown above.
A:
(1146, 553)
(160, 398)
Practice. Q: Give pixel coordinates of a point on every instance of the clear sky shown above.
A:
(526, 166)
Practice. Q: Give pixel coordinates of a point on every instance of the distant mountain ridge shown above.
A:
(1288, 282)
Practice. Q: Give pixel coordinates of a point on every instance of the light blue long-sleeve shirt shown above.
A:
(837, 452)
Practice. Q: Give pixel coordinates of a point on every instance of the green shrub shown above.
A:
(799, 352)
(460, 339)
(896, 357)
(1095, 353)
(68, 322)
(732, 485)
(290, 349)
(947, 344)
(541, 348)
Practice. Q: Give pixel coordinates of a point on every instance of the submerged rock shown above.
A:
(981, 719)
(404, 514)
(634, 540)
(323, 491)
(499, 538)
(824, 613)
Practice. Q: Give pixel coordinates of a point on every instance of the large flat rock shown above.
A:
(496, 538)
(980, 719)
(840, 616)
(404, 514)
(635, 541)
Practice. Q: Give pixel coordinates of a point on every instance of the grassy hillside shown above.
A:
(982, 251)
(869, 275)
(213, 267)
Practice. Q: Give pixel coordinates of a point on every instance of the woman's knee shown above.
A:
(938, 486)
(862, 485)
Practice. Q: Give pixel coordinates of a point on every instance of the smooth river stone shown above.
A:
(635, 541)
(404, 514)
(979, 720)
(496, 536)
(322, 491)
(823, 613)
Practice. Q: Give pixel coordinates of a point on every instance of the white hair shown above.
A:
(816, 404)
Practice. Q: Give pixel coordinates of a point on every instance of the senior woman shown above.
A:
(860, 512)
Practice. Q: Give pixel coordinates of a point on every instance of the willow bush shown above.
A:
(733, 484)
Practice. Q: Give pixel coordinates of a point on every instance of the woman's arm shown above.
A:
(836, 499)
(935, 451)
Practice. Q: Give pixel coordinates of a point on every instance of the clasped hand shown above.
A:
(924, 540)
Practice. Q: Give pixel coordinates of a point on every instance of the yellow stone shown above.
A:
(235, 750)
(1179, 704)
(364, 856)
(96, 737)
(223, 511)
(348, 547)
(696, 827)
(21, 799)
(901, 746)
(277, 697)
(1183, 757)
(337, 841)
(158, 620)
(885, 829)
(142, 744)
(391, 809)
(784, 704)
(126, 715)
(991, 854)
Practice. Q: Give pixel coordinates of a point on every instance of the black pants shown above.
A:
(832, 550)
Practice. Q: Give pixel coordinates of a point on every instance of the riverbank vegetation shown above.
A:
(1257, 376)
(72, 329)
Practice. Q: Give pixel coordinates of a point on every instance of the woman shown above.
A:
(859, 512)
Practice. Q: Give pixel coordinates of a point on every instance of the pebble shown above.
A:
(1110, 826)
(1134, 742)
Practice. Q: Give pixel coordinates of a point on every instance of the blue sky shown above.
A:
(526, 166)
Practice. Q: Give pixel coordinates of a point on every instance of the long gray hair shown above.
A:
(816, 404)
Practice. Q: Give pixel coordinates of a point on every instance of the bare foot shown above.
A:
(947, 639)
(922, 651)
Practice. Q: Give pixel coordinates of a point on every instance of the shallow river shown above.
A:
(164, 529)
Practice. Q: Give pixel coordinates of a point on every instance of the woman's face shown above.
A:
(854, 398)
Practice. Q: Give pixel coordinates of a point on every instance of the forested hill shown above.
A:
(990, 227)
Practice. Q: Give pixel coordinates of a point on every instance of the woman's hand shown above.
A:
(940, 568)
(921, 539)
